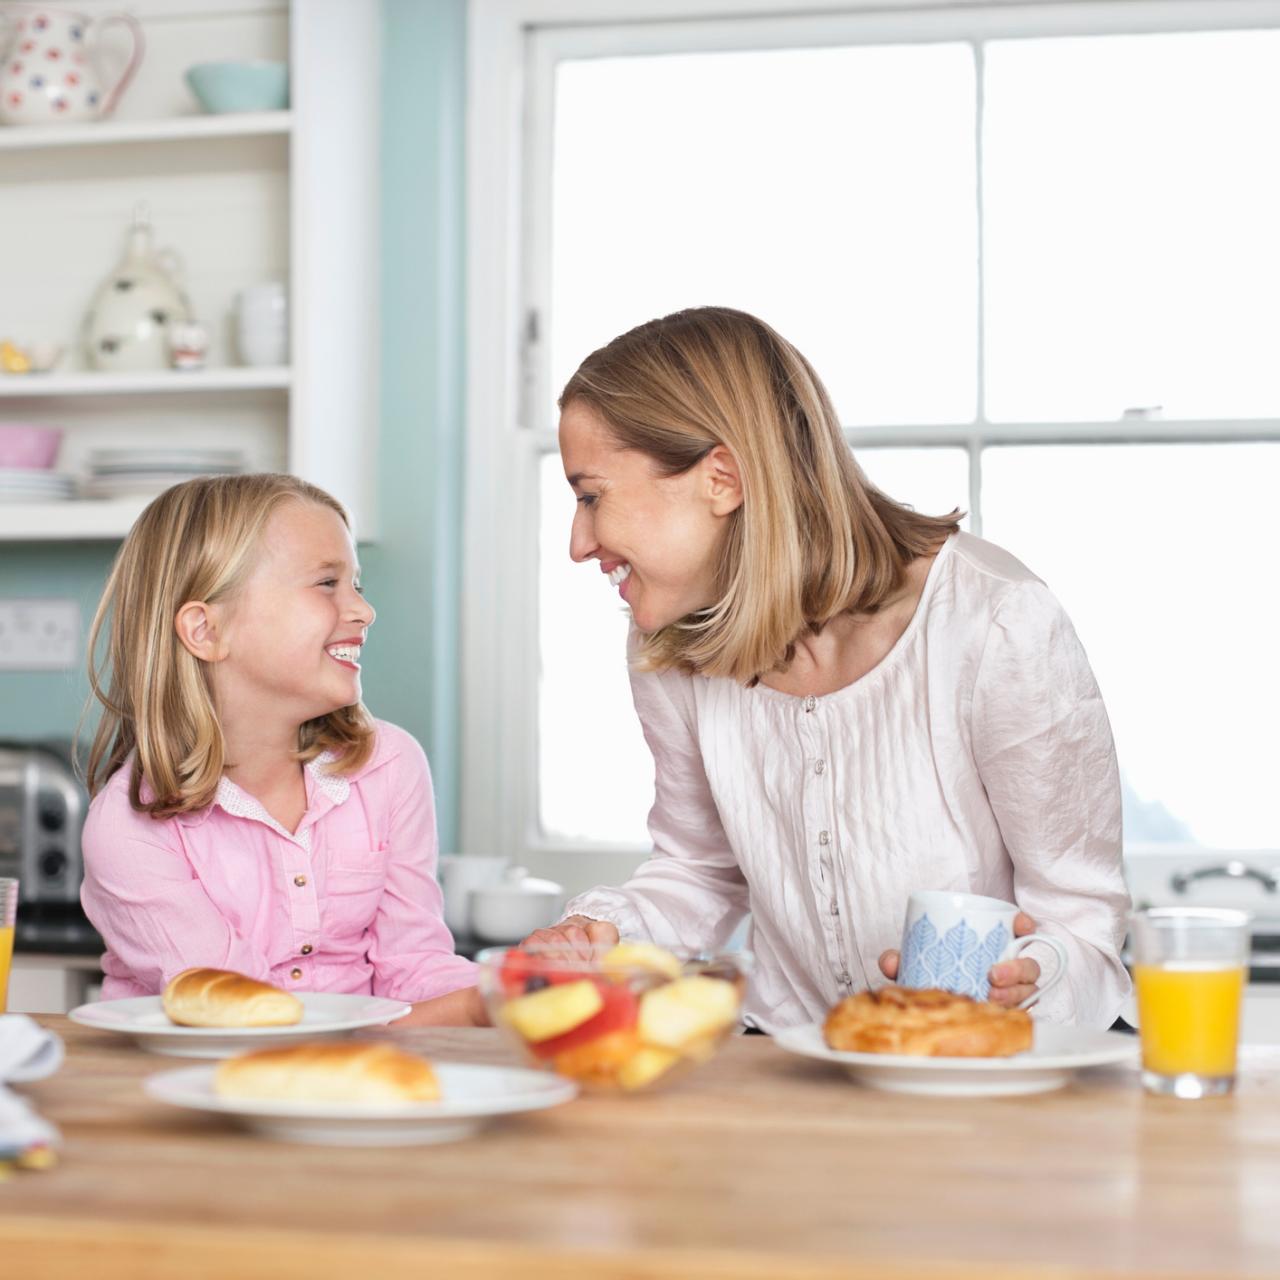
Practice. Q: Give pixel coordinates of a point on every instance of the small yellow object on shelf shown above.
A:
(14, 359)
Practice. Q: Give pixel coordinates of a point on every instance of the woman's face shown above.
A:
(657, 537)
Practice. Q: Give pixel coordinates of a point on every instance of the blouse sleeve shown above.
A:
(1044, 751)
(144, 897)
(410, 946)
(690, 892)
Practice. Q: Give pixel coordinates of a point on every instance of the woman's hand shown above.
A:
(578, 933)
(1012, 981)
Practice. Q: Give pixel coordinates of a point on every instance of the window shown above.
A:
(1034, 255)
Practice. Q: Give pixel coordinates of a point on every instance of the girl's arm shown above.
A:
(410, 946)
(1044, 750)
(143, 895)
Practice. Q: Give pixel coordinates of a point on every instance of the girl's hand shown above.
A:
(579, 933)
(1012, 981)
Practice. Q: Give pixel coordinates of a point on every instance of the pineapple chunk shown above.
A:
(553, 1010)
(641, 955)
(645, 1066)
(686, 1010)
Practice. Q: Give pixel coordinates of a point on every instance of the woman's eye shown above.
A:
(587, 500)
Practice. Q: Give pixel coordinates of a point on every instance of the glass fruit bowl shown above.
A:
(624, 1018)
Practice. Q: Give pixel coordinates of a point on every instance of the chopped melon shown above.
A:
(673, 1015)
(553, 1010)
(641, 955)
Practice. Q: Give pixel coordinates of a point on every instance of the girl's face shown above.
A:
(290, 638)
(657, 537)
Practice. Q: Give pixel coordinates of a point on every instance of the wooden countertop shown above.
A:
(760, 1164)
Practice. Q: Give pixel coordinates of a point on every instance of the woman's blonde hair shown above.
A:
(813, 537)
(196, 541)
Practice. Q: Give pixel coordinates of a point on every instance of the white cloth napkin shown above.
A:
(27, 1052)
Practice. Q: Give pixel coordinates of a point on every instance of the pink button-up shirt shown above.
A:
(348, 902)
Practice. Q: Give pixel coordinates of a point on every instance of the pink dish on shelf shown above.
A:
(28, 446)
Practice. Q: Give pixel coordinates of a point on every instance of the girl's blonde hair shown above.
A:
(196, 541)
(813, 537)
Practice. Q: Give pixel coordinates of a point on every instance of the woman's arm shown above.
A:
(1044, 751)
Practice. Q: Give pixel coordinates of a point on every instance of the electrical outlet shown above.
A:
(39, 635)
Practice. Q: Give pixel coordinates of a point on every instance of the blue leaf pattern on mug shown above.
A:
(958, 961)
(920, 938)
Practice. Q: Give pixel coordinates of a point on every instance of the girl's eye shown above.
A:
(327, 582)
(359, 588)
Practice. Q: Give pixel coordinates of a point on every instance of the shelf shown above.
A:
(78, 520)
(44, 386)
(175, 129)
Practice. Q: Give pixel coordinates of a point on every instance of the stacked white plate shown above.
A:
(118, 473)
(22, 484)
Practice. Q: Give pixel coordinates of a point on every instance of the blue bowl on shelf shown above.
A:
(240, 86)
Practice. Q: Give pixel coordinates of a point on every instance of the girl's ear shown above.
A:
(724, 481)
(197, 627)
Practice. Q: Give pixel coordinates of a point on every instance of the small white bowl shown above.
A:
(511, 911)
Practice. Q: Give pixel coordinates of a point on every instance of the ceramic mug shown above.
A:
(951, 940)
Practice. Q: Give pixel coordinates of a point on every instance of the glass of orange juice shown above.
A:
(1190, 966)
(8, 917)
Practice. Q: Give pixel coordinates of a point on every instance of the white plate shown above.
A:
(325, 1016)
(1056, 1054)
(472, 1096)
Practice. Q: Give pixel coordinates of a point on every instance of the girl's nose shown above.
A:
(362, 611)
(582, 540)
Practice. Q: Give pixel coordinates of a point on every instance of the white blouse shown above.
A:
(976, 756)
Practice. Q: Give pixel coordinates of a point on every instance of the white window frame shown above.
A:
(513, 46)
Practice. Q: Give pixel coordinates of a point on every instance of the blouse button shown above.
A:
(299, 881)
(295, 974)
(845, 979)
(824, 837)
(306, 948)
(820, 767)
(835, 907)
(810, 702)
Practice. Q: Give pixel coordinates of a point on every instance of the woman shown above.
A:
(846, 701)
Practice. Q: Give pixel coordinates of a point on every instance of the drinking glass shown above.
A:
(1190, 967)
(8, 917)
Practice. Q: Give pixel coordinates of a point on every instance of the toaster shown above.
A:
(42, 811)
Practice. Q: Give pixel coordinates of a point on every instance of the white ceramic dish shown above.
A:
(325, 1016)
(473, 1096)
(1056, 1055)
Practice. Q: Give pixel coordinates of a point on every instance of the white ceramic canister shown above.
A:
(262, 324)
(127, 326)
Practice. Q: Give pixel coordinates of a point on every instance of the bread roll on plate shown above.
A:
(345, 1072)
(219, 998)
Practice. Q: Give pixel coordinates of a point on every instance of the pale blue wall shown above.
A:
(412, 574)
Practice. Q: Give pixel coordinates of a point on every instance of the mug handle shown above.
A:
(135, 59)
(1019, 945)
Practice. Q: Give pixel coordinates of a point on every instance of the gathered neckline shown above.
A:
(885, 663)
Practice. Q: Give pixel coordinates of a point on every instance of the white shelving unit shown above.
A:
(242, 198)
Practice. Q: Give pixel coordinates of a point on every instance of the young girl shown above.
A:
(248, 814)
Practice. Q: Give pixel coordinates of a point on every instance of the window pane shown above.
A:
(1132, 202)
(595, 771)
(830, 191)
(933, 481)
(1162, 557)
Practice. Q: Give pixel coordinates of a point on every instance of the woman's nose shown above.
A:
(582, 540)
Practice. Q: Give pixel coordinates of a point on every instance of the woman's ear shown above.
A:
(197, 626)
(724, 481)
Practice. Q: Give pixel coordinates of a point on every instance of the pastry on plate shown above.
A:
(927, 1023)
(220, 998)
(340, 1072)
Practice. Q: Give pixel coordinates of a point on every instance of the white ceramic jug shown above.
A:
(127, 325)
(50, 69)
